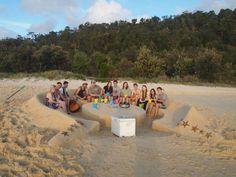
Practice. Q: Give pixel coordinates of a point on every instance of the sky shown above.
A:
(19, 17)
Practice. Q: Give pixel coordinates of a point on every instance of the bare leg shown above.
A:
(148, 108)
(156, 109)
(153, 110)
(62, 105)
(68, 106)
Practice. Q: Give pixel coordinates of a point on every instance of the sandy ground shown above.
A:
(24, 150)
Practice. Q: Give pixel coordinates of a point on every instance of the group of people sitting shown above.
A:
(151, 101)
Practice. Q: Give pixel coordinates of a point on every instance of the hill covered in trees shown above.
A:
(198, 45)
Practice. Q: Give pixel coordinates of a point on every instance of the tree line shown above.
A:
(198, 45)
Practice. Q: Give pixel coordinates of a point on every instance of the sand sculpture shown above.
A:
(179, 118)
(184, 119)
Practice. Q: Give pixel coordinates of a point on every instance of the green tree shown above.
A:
(184, 66)
(147, 65)
(51, 58)
(208, 64)
(81, 63)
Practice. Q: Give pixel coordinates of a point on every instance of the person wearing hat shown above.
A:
(82, 92)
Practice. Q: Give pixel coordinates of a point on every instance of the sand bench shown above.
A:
(173, 115)
(46, 117)
(176, 114)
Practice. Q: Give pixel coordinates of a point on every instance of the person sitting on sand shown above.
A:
(108, 90)
(65, 95)
(63, 90)
(152, 106)
(81, 93)
(57, 91)
(136, 94)
(125, 94)
(161, 98)
(52, 101)
(94, 91)
(116, 91)
(142, 102)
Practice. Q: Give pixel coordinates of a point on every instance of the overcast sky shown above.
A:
(42, 16)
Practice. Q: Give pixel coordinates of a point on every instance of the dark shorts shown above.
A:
(53, 105)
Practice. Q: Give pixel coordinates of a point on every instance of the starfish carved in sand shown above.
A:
(75, 126)
(185, 124)
(195, 128)
(79, 122)
(70, 129)
(65, 133)
(208, 135)
(201, 131)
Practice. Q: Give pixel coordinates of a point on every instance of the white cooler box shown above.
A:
(123, 126)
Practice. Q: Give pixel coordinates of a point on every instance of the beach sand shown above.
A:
(25, 149)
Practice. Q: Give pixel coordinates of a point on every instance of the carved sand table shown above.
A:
(104, 113)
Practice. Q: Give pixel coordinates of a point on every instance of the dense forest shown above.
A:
(198, 45)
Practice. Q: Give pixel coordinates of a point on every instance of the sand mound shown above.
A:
(183, 119)
(196, 123)
(186, 120)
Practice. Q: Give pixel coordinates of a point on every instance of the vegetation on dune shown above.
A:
(199, 46)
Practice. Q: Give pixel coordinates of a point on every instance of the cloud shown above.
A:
(6, 33)
(104, 11)
(216, 5)
(50, 6)
(42, 28)
(67, 9)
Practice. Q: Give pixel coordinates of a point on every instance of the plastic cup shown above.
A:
(141, 105)
(105, 100)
